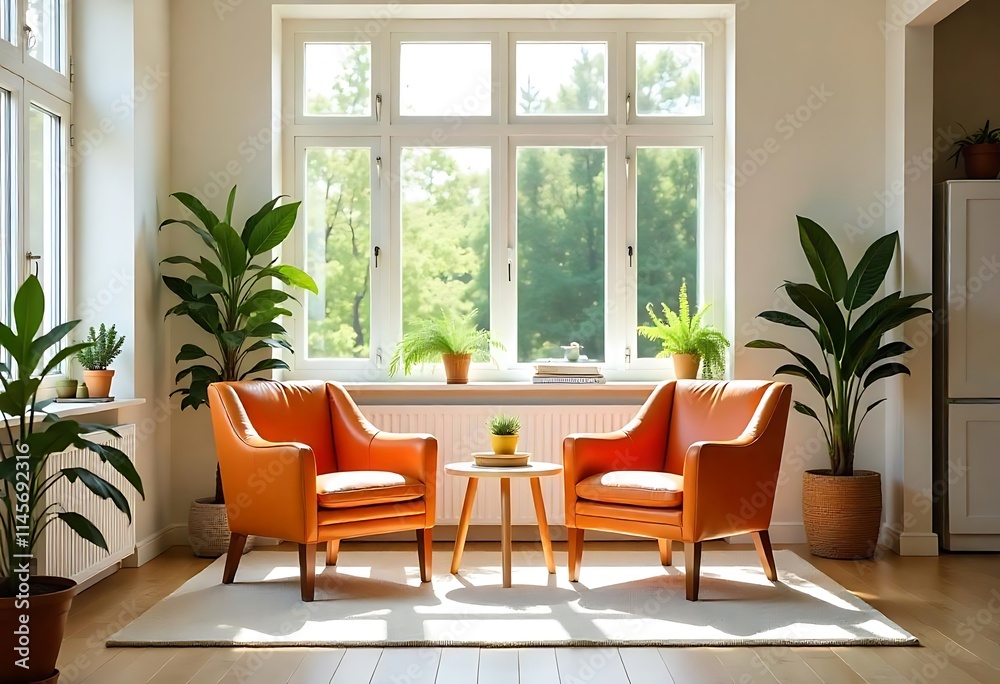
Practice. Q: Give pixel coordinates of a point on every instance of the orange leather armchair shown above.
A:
(699, 462)
(299, 462)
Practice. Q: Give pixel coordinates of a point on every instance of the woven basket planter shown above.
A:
(208, 529)
(842, 515)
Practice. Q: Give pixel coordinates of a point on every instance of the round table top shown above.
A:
(533, 469)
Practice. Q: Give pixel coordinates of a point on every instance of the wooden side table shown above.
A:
(532, 471)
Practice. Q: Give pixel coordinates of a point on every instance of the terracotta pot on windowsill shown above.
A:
(686, 366)
(98, 382)
(456, 368)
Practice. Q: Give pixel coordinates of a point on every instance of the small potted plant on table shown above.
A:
(103, 347)
(504, 431)
(453, 338)
(689, 342)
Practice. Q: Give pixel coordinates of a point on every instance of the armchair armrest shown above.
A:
(270, 487)
(729, 486)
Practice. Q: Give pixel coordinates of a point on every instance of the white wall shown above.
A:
(966, 52)
(817, 66)
(121, 162)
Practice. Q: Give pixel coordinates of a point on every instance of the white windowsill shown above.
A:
(73, 410)
(389, 393)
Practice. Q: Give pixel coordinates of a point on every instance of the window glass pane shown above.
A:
(45, 42)
(668, 185)
(45, 207)
(562, 78)
(445, 198)
(561, 222)
(669, 79)
(7, 20)
(338, 250)
(338, 79)
(445, 79)
(6, 212)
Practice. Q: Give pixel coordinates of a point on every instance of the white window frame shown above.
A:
(505, 131)
(31, 82)
(301, 117)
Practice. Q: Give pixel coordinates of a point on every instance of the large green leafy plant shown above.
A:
(849, 328)
(228, 295)
(447, 334)
(682, 333)
(32, 436)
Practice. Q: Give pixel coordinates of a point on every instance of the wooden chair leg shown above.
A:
(692, 568)
(236, 544)
(332, 551)
(307, 571)
(425, 551)
(575, 552)
(666, 552)
(762, 540)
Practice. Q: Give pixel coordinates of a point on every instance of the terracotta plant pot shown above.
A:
(456, 368)
(46, 624)
(504, 444)
(98, 382)
(686, 366)
(842, 515)
(982, 162)
(208, 529)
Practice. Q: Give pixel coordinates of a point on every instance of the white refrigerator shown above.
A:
(967, 365)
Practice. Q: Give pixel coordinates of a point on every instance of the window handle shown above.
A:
(628, 107)
(30, 38)
(378, 358)
(631, 253)
(378, 251)
(33, 259)
(378, 107)
(378, 170)
(628, 166)
(510, 264)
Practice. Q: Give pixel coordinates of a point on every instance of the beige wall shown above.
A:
(816, 65)
(966, 55)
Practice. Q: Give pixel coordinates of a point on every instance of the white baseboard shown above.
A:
(152, 546)
(780, 533)
(918, 544)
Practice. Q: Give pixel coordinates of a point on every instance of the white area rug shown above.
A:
(623, 598)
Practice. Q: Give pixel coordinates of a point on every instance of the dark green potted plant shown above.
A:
(33, 608)
(105, 346)
(981, 152)
(841, 506)
(687, 340)
(453, 338)
(227, 294)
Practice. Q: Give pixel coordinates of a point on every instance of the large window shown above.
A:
(35, 99)
(555, 177)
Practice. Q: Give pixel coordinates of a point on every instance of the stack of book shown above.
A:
(568, 373)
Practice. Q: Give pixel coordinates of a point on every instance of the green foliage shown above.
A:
(682, 333)
(984, 136)
(446, 334)
(105, 346)
(848, 329)
(502, 424)
(227, 294)
(32, 436)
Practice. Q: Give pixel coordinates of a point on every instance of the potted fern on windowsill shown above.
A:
(687, 340)
(453, 338)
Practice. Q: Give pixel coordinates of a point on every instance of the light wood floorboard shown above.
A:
(951, 603)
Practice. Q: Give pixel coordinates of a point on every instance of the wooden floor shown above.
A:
(951, 603)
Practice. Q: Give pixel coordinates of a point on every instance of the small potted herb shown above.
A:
(687, 340)
(981, 152)
(456, 339)
(105, 346)
(504, 431)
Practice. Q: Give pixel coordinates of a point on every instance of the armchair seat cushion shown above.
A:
(365, 488)
(633, 488)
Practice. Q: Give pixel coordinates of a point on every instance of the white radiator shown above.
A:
(64, 553)
(460, 430)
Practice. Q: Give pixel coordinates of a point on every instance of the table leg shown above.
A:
(505, 533)
(543, 524)
(463, 523)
